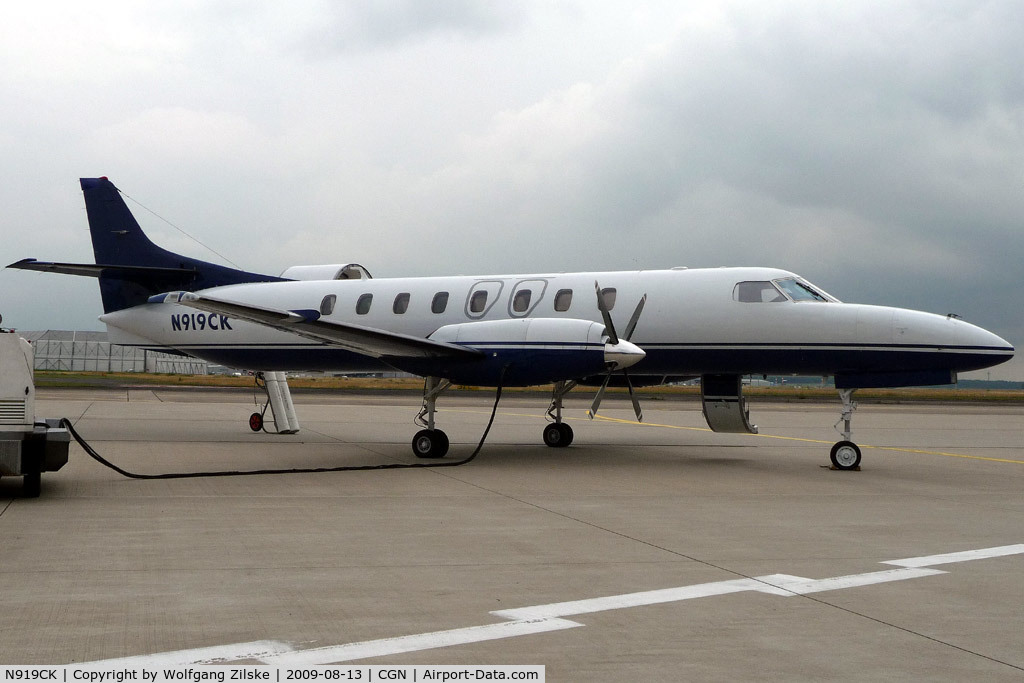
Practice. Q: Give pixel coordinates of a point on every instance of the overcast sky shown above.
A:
(877, 148)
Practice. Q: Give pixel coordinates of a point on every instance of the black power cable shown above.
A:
(65, 422)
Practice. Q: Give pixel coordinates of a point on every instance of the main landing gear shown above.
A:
(845, 454)
(430, 442)
(558, 434)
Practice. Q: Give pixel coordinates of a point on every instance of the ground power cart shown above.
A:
(28, 447)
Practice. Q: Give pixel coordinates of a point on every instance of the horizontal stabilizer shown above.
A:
(99, 269)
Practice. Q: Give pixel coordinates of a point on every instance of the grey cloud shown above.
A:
(373, 24)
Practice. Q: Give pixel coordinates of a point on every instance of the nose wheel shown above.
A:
(845, 455)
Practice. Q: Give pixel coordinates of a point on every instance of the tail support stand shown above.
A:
(279, 398)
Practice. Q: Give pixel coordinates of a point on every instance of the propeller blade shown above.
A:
(632, 397)
(597, 399)
(631, 325)
(613, 338)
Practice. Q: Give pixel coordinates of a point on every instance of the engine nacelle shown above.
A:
(527, 351)
(333, 271)
(725, 409)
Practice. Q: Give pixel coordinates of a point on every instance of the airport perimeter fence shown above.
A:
(82, 351)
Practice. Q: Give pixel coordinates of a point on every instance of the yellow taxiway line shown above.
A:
(918, 451)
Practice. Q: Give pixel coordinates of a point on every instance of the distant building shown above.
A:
(91, 352)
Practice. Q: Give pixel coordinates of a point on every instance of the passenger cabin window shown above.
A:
(401, 303)
(478, 302)
(439, 303)
(608, 296)
(756, 292)
(563, 299)
(363, 304)
(799, 291)
(327, 305)
(521, 301)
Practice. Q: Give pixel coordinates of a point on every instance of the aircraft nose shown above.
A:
(983, 337)
(995, 347)
(973, 347)
(623, 355)
(980, 339)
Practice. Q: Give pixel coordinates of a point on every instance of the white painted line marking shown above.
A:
(415, 643)
(794, 585)
(700, 590)
(256, 651)
(545, 618)
(965, 556)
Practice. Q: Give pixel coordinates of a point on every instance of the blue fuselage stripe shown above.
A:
(662, 359)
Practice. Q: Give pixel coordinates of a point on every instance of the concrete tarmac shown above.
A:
(655, 552)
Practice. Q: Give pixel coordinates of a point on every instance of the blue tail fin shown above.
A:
(130, 267)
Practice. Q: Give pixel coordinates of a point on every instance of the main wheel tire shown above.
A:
(256, 422)
(430, 443)
(845, 455)
(442, 443)
(566, 434)
(552, 435)
(557, 435)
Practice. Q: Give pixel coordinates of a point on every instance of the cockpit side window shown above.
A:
(756, 292)
(798, 290)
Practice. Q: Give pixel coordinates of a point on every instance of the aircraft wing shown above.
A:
(368, 341)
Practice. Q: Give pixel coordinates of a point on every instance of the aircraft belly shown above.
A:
(676, 359)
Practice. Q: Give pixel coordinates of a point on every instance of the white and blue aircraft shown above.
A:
(638, 328)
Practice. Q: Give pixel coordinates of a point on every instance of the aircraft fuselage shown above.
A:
(696, 321)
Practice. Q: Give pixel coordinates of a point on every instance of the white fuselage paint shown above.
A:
(689, 314)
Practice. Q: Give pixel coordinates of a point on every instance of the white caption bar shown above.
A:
(89, 673)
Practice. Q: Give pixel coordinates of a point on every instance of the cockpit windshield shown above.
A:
(783, 289)
(797, 290)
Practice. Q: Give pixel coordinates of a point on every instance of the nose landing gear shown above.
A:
(845, 454)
